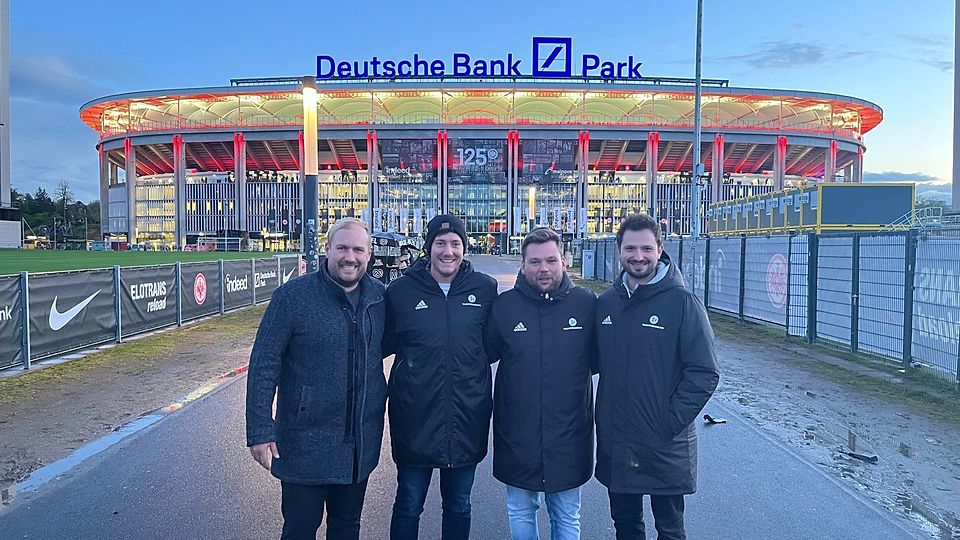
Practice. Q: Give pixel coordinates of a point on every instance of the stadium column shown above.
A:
(780, 163)
(716, 167)
(442, 143)
(240, 176)
(373, 171)
(130, 163)
(830, 163)
(583, 160)
(104, 192)
(653, 147)
(857, 172)
(180, 186)
(511, 184)
(311, 172)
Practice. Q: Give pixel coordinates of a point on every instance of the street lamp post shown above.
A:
(697, 166)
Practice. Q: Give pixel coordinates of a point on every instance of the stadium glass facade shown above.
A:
(504, 155)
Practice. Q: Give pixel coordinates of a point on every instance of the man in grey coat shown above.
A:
(318, 351)
(658, 368)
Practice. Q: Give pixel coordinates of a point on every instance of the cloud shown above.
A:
(941, 41)
(896, 176)
(791, 54)
(61, 80)
(943, 66)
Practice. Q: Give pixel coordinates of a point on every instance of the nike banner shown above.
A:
(200, 293)
(11, 322)
(148, 298)
(289, 268)
(266, 278)
(237, 284)
(70, 310)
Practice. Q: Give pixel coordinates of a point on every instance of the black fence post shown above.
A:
(909, 271)
(813, 257)
(789, 273)
(706, 273)
(855, 296)
(743, 272)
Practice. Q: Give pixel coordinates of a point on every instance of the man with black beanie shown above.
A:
(440, 385)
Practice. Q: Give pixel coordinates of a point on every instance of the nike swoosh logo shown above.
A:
(59, 320)
(286, 275)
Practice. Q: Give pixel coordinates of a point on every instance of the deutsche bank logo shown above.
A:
(552, 57)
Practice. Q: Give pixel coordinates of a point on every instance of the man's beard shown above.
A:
(343, 283)
(642, 274)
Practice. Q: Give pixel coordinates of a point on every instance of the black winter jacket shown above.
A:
(440, 400)
(543, 400)
(322, 359)
(658, 368)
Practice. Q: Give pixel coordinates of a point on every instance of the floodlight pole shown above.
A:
(311, 218)
(697, 166)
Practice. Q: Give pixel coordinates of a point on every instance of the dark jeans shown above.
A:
(302, 508)
(627, 513)
(412, 485)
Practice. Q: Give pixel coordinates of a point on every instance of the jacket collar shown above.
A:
(566, 285)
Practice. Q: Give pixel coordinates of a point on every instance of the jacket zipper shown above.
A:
(448, 390)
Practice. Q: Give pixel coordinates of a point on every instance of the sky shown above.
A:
(898, 55)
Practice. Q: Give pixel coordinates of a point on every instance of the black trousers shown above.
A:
(302, 507)
(626, 509)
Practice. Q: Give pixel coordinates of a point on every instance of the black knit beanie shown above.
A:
(441, 224)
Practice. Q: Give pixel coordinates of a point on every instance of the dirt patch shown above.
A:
(48, 413)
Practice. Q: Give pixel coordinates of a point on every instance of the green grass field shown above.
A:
(14, 261)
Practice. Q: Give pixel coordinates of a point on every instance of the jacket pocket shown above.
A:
(318, 411)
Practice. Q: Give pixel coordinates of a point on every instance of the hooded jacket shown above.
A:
(440, 400)
(658, 368)
(543, 401)
(322, 359)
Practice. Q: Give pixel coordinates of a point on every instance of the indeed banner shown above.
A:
(11, 322)
(148, 298)
(200, 289)
(237, 284)
(70, 310)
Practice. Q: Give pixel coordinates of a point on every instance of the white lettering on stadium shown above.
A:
(936, 302)
(236, 284)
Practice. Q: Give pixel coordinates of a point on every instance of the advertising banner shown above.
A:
(200, 294)
(11, 322)
(70, 310)
(237, 284)
(266, 279)
(289, 268)
(148, 298)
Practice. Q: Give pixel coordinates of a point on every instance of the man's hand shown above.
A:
(265, 453)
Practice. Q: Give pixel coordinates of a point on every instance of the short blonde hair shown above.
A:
(343, 223)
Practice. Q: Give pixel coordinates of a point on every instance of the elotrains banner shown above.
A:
(71, 309)
(11, 322)
(200, 289)
(148, 298)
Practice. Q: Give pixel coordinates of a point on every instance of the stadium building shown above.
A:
(505, 153)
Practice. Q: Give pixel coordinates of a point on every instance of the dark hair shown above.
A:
(639, 222)
(540, 235)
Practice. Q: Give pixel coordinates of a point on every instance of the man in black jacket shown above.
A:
(542, 332)
(658, 368)
(440, 398)
(318, 351)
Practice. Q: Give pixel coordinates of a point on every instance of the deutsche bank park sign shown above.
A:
(552, 57)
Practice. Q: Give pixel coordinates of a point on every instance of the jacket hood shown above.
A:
(672, 280)
(566, 285)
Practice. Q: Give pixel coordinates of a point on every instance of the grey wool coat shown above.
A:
(322, 359)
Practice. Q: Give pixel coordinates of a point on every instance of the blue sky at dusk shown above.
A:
(898, 55)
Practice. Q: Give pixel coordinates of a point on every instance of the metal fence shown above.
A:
(895, 295)
(51, 313)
